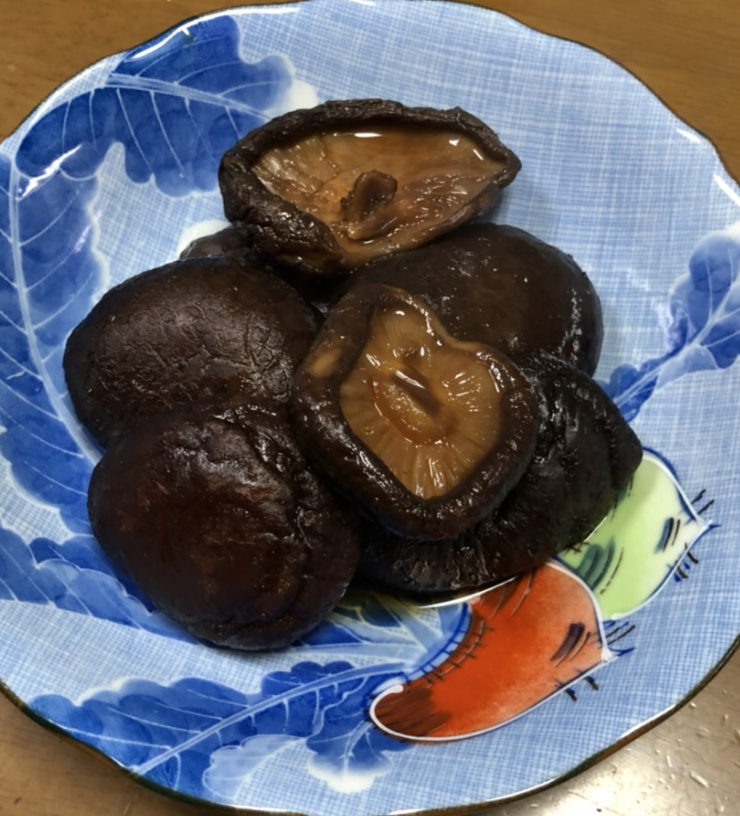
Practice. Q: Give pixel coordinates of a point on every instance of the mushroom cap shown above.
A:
(502, 286)
(585, 456)
(201, 329)
(216, 515)
(327, 188)
(387, 395)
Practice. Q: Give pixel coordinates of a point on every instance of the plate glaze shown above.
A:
(116, 171)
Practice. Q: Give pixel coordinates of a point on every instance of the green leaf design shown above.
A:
(639, 545)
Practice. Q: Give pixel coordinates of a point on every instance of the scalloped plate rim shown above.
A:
(46, 104)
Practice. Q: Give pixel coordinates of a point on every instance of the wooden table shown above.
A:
(688, 53)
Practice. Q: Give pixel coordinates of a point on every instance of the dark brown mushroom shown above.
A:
(501, 286)
(228, 241)
(328, 188)
(202, 329)
(426, 432)
(585, 457)
(218, 518)
(321, 293)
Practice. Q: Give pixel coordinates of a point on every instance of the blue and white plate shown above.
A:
(116, 171)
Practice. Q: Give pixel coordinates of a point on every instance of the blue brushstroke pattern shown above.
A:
(704, 334)
(205, 739)
(75, 576)
(172, 734)
(47, 273)
(175, 105)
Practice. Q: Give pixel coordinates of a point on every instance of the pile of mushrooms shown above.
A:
(350, 383)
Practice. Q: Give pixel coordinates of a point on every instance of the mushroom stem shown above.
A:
(420, 389)
(366, 208)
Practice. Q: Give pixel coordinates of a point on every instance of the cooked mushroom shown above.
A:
(428, 433)
(227, 241)
(328, 188)
(201, 329)
(220, 521)
(320, 293)
(585, 456)
(501, 286)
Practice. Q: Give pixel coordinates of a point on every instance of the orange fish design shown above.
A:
(526, 640)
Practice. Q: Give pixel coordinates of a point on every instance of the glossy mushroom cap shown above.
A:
(426, 432)
(585, 456)
(218, 518)
(501, 286)
(195, 330)
(331, 187)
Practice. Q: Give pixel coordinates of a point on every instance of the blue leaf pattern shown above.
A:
(173, 106)
(388, 626)
(76, 577)
(174, 118)
(35, 251)
(168, 734)
(209, 739)
(704, 334)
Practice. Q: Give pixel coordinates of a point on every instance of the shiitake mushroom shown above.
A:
(321, 293)
(216, 515)
(501, 286)
(426, 432)
(430, 396)
(585, 456)
(327, 188)
(200, 329)
(228, 241)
